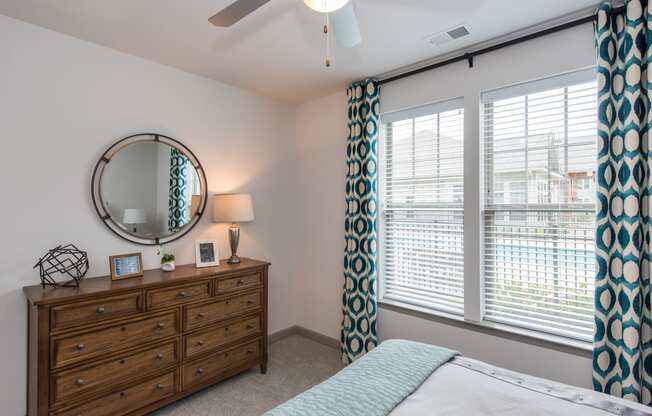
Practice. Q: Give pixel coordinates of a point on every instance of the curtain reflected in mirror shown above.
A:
(185, 191)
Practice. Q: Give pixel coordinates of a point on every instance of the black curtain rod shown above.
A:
(470, 55)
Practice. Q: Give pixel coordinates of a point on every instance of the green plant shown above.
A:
(167, 258)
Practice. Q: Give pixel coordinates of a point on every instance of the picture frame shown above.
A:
(206, 253)
(125, 266)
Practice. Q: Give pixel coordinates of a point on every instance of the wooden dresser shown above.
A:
(128, 347)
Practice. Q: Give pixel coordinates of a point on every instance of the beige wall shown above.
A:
(321, 169)
(321, 137)
(62, 102)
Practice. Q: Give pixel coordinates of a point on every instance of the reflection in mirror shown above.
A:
(150, 189)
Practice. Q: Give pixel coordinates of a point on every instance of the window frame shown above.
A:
(473, 317)
(386, 118)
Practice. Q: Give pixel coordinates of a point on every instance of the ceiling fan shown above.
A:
(340, 18)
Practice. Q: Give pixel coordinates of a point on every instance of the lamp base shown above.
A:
(234, 238)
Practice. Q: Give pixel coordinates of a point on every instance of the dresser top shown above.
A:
(152, 278)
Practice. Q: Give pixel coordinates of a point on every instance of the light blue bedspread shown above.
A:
(372, 386)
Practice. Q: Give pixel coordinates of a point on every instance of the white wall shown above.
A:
(321, 136)
(526, 358)
(321, 170)
(162, 188)
(131, 181)
(62, 103)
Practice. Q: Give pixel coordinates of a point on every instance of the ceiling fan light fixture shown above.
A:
(325, 6)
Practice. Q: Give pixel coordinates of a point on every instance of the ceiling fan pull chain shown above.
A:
(327, 33)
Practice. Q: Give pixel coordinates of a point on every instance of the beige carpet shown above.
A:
(295, 364)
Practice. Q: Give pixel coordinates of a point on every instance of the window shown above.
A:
(422, 206)
(539, 156)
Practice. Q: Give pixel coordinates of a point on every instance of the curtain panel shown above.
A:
(178, 202)
(359, 303)
(622, 350)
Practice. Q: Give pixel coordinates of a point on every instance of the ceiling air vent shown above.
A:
(446, 36)
(458, 32)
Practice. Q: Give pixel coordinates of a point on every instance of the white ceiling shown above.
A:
(279, 49)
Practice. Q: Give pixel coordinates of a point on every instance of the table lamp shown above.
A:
(134, 216)
(233, 209)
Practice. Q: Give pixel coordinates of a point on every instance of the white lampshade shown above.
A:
(233, 208)
(325, 6)
(134, 216)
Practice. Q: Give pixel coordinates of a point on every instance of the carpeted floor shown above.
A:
(295, 364)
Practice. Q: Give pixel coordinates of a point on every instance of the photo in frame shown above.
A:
(124, 266)
(206, 253)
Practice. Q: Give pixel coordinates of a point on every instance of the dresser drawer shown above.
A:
(89, 379)
(211, 367)
(80, 313)
(217, 336)
(237, 283)
(199, 315)
(73, 348)
(128, 400)
(162, 298)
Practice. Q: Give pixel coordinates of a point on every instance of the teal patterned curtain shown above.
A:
(178, 203)
(622, 350)
(359, 305)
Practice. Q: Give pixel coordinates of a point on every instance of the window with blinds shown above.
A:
(422, 206)
(539, 146)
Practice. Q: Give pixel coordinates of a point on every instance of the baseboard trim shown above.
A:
(306, 333)
(318, 337)
(283, 333)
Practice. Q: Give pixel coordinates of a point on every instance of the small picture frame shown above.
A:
(124, 266)
(206, 253)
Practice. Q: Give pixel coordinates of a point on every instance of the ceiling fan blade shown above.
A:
(235, 11)
(345, 26)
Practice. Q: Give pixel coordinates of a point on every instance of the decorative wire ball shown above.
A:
(63, 260)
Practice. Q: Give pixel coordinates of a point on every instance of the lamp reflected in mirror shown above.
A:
(134, 217)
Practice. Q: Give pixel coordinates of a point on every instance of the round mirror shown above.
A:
(149, 189)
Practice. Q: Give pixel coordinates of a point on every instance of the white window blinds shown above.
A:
(422, 206)
(539, 142)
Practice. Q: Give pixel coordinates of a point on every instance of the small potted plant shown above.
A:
(167, 262)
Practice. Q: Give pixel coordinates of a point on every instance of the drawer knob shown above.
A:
(200, 370)
(159, 356)
(227, 302)
(160, 325)
(123, 361)
(122, 394)
(160, 386)
(80, 347)
(250, 327)
(250, 302)
(200, 343)
(79, 382)
(226, 329)
(183, 294)
(249, 352)
(240, 282)
(201, 315)
(226, 355)
(101, 310)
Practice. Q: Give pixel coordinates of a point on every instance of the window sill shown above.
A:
(553, 342)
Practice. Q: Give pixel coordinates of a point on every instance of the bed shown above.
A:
(405, 378)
